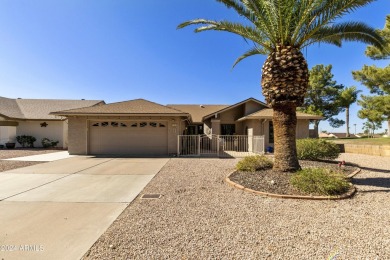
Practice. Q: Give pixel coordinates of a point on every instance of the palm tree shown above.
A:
(348, 96)
(280, 29)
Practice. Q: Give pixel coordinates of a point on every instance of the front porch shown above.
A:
(219, 145)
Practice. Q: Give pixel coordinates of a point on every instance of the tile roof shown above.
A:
(268, 113)
(136, 106)
(197, 112)
(39, 108)
(235, 105)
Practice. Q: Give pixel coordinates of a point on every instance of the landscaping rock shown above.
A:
(201, 217)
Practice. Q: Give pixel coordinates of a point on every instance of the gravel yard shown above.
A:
(12, 153)
(19, 152)
(200, 217)
(10, 165)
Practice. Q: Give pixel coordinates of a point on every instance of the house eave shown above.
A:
(270, 117)
(233, 106)
(120, 114)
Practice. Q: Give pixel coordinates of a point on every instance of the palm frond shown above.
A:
(248, 32)
(297, 23)
(254, 51)
(324, 13)
(196, 22)
(240, 9)
(347, 31)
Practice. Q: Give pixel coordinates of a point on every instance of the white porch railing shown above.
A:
(220, 145)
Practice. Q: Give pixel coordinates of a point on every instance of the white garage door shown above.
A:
(137, 138)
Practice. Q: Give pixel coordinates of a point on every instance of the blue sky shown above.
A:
(121, 50)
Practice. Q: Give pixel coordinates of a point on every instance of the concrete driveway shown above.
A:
(57, 210)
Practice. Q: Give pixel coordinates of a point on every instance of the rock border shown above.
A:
(347, 195)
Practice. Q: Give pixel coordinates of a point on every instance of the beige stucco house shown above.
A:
(143, 128)
(32, 117)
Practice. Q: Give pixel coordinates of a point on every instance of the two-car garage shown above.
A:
(131, 128)
(133, 138)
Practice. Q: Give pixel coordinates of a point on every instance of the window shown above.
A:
(228, 129)
(153, 124)
(104, 124)
(161, 125)
(271, 133)
(191, 130)
(114, 124)
(123, 125)
(200, 130)
(134, 125)
(143, 124)
(96, 124)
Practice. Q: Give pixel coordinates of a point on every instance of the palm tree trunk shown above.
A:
(285, 123)
(347, 119)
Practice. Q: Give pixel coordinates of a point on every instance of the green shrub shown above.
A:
(47, 143)
(320, 181)
(26, 140)
(317, 149)
(254, 163)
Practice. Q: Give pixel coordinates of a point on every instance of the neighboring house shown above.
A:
(32, 117)
(341, 135)
(141, 127)
(323, 135)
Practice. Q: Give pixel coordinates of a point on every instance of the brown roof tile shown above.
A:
(136, 106)
(197, 112)
(268, 113)
(234, 105)
(39, 108)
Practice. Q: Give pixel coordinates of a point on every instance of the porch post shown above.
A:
(198, 136)
(216, 126)
(218, 139)
(178, 146)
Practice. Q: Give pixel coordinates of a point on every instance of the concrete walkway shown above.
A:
(57, 210)
(47, 157)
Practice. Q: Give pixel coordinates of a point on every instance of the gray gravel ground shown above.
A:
(10, 165)
(12, 153)
(19, 152)
(200, 217)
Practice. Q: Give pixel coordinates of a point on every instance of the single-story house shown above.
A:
(141, 127)
(32, 117)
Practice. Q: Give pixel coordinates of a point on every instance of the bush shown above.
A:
(317, 149)
(320, 181)
(47, 143)
(26, 140)
(254, 163)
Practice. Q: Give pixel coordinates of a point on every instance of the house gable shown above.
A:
(245, 107)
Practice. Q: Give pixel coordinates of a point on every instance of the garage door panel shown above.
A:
(149, 140)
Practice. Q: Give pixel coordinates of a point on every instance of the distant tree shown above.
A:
(322, 97)
(375, 109)
(348, 96)
(384, 53)
(370, 127)
(377, 80)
